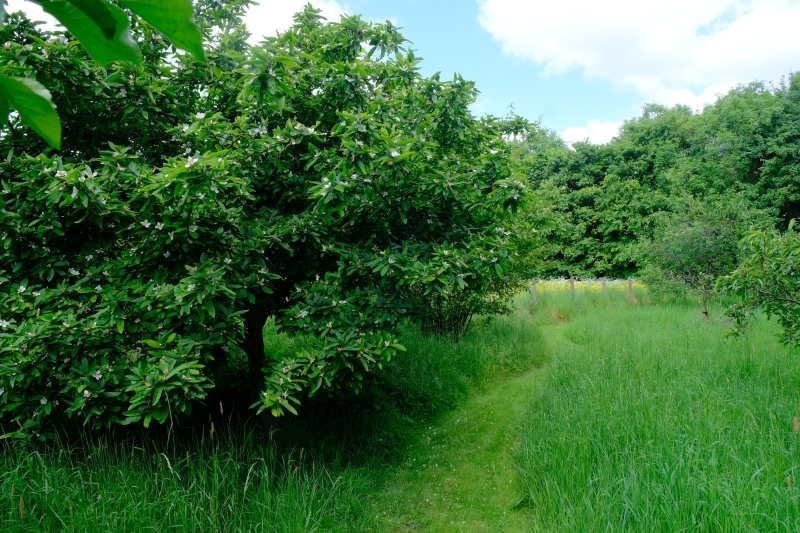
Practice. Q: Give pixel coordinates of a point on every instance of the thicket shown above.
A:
(742, 151)
(317, 178)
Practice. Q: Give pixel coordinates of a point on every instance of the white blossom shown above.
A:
(159, 226)
(74, 192)
(99, 288)
(395, 153)
(61, 174)
(190, 287)
(145, 223)
(200, 116)
(74, 272)
(86, 393)
(21, 289)
(191, 161)
(4, 323)
(329, 325)
(228, 261)
(43, 401)
(97, 375)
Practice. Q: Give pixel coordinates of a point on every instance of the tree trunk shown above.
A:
(253, 346)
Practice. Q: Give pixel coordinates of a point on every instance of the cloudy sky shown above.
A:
(582, 65)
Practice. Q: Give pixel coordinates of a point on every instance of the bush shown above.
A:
(767, 278)
(307, 179)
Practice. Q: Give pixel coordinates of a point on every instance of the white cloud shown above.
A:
(670, 51)
(35, 13)
(276, 15)
(596, 132)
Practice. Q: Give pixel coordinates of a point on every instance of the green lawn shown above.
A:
(585, 413)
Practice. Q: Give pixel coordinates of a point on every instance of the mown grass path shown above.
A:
(460, 475)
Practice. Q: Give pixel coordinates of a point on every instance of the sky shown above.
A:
(583, 66)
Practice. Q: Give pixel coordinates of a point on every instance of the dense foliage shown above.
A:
(104, 29)
(309, 178)
(768, 278)
(743, 150)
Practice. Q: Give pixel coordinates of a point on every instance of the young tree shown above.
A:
(694, 247)
(310, 179)
(767, 278)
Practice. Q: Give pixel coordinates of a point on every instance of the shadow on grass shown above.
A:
(312, 472)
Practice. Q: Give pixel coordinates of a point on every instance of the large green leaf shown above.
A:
(175, 19)
(101, 27)
(34, 104)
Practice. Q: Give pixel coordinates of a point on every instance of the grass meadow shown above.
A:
(653, 420)
(583, 413)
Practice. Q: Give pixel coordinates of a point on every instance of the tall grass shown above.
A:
(652, 420)
(235, 482)
(318, 472)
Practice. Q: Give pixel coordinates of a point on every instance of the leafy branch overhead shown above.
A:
(104, 29)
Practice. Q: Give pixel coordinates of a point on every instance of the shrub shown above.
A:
(767, 278)
(308, 179)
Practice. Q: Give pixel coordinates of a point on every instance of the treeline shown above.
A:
(738, 162)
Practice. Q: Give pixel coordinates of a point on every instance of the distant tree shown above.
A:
(693, 248)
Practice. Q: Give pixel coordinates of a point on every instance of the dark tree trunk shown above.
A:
(253, 346)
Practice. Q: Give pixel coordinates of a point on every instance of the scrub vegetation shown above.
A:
(300, 287)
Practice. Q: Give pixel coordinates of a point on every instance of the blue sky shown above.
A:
(584, 66)
(448, 35)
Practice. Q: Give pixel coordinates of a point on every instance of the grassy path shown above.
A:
(460, 474)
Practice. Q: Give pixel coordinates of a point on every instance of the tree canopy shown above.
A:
(317, 178)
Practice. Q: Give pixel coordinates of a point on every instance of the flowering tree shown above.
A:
(104, 29)
(317, 178)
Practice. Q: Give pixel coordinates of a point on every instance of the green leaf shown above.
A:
(35, 106)
(210, 307)
(5, 106)
(120, 326)
(101, 27)
(173, 18)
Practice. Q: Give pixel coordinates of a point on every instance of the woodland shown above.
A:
(286, 287)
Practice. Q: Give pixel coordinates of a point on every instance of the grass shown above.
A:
(652, 420)
(457, 474)
(647, 419)
(237, 482)
(322, 472)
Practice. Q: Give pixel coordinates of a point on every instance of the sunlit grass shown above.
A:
(593, 285)
(652, 420)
